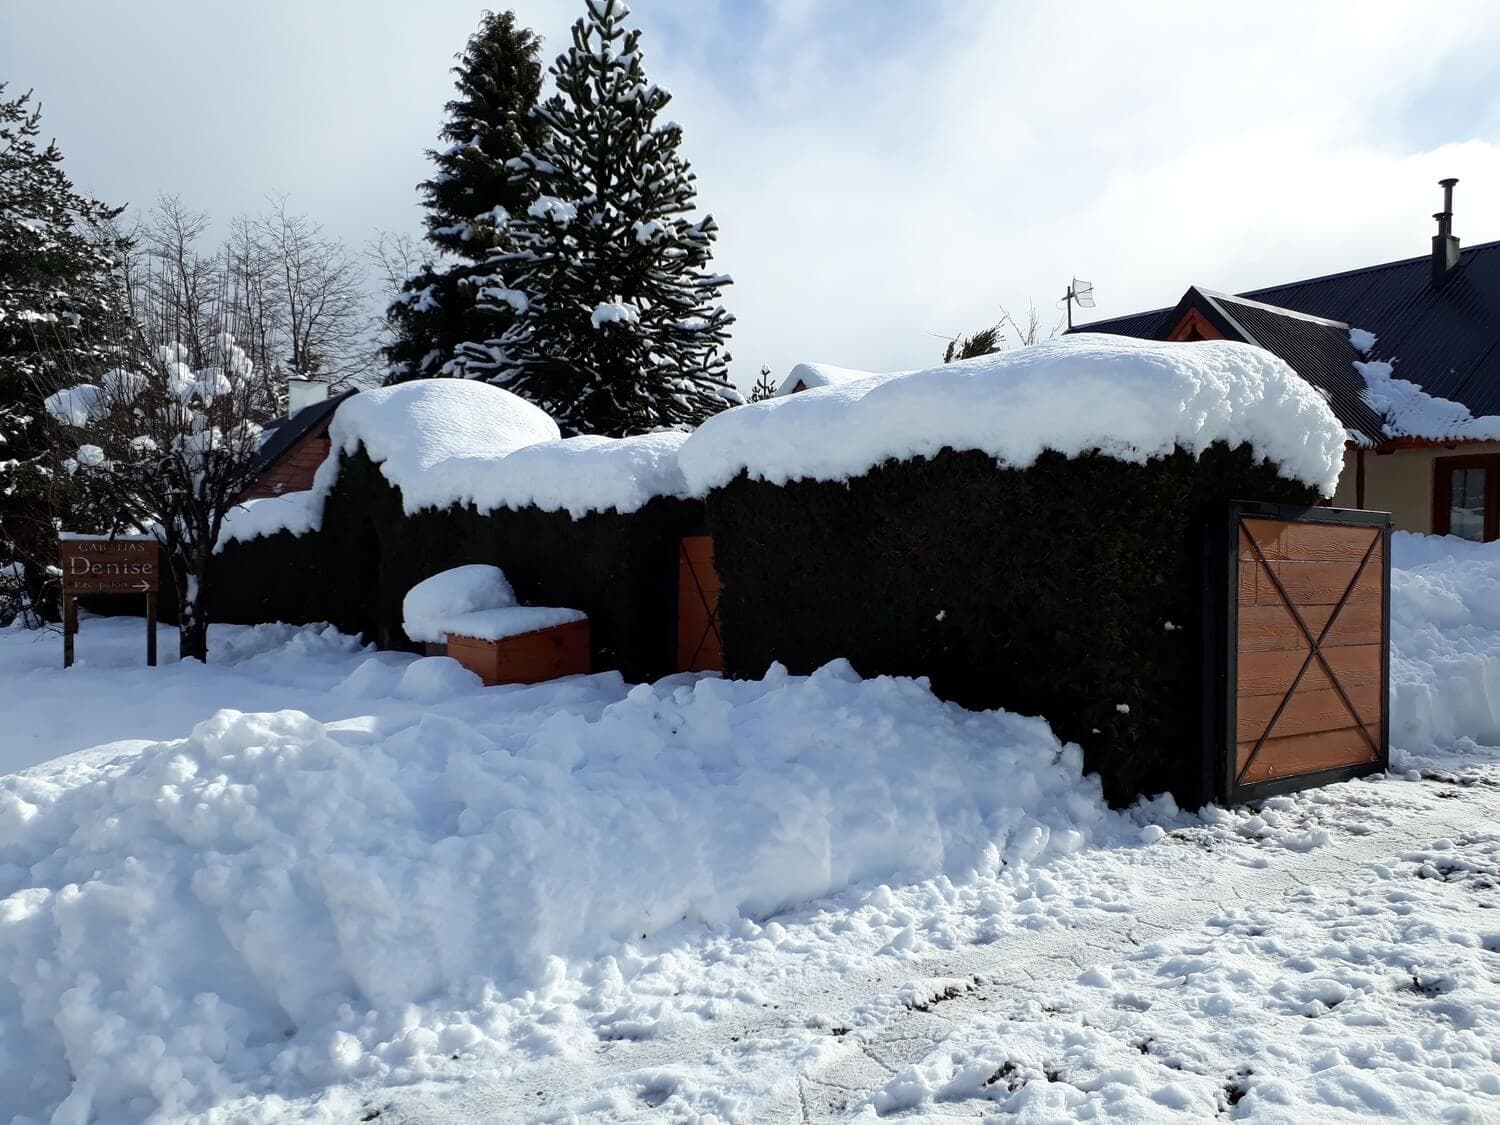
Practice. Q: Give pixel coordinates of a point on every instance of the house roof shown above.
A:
(1446, 338)
(807, 376)
(289, 431)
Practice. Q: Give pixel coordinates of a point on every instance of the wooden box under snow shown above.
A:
(521, 644)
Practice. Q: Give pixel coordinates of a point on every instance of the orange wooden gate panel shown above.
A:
(1309, 654)
(700, 647)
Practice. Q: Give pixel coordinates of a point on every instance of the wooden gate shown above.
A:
(699, 645)
(1304, 679)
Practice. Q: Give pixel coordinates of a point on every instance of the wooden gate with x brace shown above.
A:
(1304, 671)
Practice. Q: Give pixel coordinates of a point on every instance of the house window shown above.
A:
(1466, 497)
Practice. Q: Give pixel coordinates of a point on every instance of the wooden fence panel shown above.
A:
(700, 647)
(1305, 649)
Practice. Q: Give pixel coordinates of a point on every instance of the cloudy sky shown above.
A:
(884, 171)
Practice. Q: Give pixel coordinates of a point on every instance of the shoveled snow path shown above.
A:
(787, 1060)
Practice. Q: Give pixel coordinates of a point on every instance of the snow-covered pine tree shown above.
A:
(59, 306)
(765, 386)
(618, 328)
(489, 125)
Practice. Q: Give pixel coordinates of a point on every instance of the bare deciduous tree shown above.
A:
(293, 296)
(321, 294)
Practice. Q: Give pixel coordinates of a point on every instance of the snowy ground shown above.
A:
(400, 894)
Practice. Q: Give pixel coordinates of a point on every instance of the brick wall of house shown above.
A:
(293, 472)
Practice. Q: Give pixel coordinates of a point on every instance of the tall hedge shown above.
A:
(1072, 589)
(619, 569)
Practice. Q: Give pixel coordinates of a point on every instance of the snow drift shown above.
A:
(1445, 643)
(267, 896)
(1127, 398)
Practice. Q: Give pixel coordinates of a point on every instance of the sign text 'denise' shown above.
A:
(110, 566)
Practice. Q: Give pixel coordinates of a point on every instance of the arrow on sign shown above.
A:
(144, 585)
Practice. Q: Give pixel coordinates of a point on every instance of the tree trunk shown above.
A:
(192, 611)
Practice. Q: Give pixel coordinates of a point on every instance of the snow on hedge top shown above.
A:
(421, 432)
(1127, 398)
(432, 604)
(1409, 411)
(268, 515)
(443, 442)
(582, 474)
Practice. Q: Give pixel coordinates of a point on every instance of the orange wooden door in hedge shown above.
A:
(700, 647)
(1309, 648)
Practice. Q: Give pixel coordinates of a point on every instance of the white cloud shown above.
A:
(879, 172)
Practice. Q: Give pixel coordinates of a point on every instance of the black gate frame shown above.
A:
(1221, 651)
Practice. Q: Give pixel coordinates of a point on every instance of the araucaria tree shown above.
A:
(164, 446)
(474, 190)
(59, 299)
(618, 327)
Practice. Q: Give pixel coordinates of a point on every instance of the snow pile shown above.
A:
(1129, 399)
(1445, 643)
(272, 896)
(809, 376)
(251, 519)
(432, 604)
(1409, 411)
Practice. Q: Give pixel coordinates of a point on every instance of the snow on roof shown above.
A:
(813, 375)
(1127, 398)
(1411, 412)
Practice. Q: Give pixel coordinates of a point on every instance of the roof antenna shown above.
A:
(1081, 292)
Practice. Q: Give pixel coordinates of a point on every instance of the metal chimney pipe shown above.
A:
(1445, 248)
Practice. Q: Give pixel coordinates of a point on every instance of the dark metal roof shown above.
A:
(1317, 349)
(291, 430)
(1446, 338)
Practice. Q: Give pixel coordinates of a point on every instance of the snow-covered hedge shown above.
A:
(618, 568)
(1127, 398)
(451, 442)
(1071, 589)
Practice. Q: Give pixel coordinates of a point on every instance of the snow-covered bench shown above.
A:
(472, 611)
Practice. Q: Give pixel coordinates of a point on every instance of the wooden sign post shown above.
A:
(101, 564)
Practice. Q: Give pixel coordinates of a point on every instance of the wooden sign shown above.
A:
(97, 565)
(100, 564)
